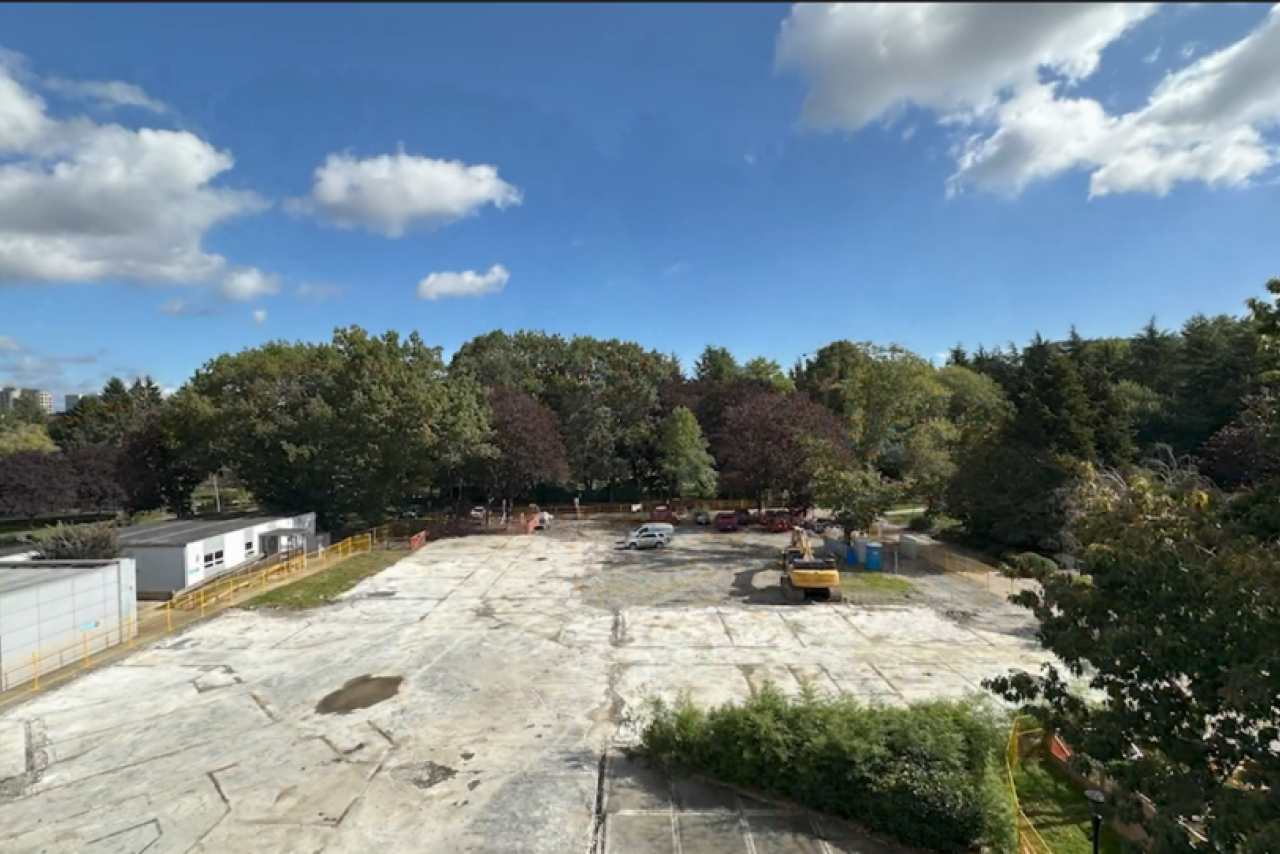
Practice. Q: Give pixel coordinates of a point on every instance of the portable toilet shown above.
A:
(874, 555)
(860, 550)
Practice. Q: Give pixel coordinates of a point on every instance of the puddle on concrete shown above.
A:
(360, 693)
(429, 774)
(380, 594)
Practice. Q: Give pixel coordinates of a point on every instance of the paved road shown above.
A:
(648, 812)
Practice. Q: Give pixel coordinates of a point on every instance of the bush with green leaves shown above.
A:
(929, 775)
(80, 542)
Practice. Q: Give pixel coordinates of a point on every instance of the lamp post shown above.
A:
(1096, 800)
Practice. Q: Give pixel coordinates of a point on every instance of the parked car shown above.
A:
(662, 529)
(779, 523)
(743, 517)
(727, 521)
(663, 513)
(646, 540)
(702, 517)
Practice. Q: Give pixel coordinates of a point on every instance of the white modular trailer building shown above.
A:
(54, 612)
(173, 556)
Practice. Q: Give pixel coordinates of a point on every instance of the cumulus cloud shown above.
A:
(246, 283)
(107, 93)
(259, 316)
(1003, 77)
(9, 344)
(393, 193)
(468, 283)
(83, 202)
(317, 291)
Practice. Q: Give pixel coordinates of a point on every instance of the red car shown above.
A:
(780, 523)
(726, 521)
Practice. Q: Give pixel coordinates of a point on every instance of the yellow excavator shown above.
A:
(806, 577)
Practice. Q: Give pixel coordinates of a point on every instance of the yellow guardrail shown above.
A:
(108, 638)
(1029, 839)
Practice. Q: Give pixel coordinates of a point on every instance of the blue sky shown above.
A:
(756, 176)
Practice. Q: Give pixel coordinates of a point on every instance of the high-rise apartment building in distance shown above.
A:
(9, 397)
(71, 401)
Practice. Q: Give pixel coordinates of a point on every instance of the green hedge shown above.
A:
(929, 775)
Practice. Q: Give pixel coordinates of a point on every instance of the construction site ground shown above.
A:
(473, 698)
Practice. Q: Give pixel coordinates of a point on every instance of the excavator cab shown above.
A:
(806, 577)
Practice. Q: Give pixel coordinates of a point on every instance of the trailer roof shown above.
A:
(179, 532)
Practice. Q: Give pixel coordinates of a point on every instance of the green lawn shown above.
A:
(321, 588)
(874, 584)
(1056, 806)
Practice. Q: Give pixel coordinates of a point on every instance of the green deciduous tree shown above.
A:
(855, 494)
(1173, 624)
(880, 392)
(686, 463)
(22, 436)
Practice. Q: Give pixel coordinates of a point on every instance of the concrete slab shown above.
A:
(518, 657)
(13, 749)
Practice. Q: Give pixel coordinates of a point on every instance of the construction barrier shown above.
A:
(110, 638)
(1029, 839)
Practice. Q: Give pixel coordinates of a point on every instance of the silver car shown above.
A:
(645, 540)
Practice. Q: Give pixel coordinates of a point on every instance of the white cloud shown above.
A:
(259, 316)
(465, 284)
(866, 61)
(1203, 123)
(908, 133)
(980, 69)
(108, 93)
(84, 202)
(1152, 57)
(246, 283)
(9, 344)
(317, 291)
(393, 193)
(1189, 49)
(676, 269)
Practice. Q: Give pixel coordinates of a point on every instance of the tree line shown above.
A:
(362, 427)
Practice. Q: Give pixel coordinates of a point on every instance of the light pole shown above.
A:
(1096, 800)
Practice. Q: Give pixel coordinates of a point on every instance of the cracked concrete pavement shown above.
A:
(519, 655)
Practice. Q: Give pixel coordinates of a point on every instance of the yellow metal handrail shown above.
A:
(1029, 839)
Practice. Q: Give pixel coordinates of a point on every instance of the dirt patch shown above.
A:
(430, 774)
(360, 693)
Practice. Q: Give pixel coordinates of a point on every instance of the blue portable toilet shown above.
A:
(874, 553)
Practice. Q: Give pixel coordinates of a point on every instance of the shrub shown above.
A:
(920, 524)
(80, 542)
(929, 775)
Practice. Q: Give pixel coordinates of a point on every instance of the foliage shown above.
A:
(716, 364)
(349, 429)
(1246, 452)
(1175, 629)
(768, 371)
(767, 444)
(106, 419)
(929, 775)
(96, 472)
(688, 467)
(80, 542)
(881, 392)
(855, 494)
(528, 448)
(19, 435)
(36, 483)
(167, 455)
